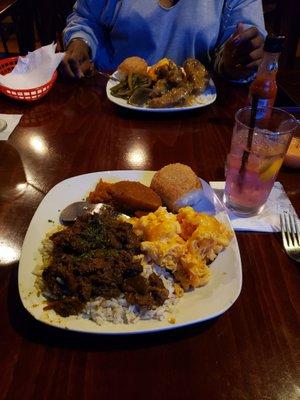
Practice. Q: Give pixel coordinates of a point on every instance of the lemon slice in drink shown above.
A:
(270, 170)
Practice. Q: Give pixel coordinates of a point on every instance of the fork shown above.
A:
(111, 77)
(290, 235)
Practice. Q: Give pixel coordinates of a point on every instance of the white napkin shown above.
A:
(34, 70)
(12, 121)
(268, 220)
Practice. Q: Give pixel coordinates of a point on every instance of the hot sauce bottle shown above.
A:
(264, 88)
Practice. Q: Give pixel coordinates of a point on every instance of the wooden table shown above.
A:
(289, 84)
(249, 353)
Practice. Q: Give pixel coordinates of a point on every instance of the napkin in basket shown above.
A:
(268, 220)
(34, 70)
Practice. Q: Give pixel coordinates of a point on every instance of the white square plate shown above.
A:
(198, 305)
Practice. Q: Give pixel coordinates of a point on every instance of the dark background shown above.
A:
(27, 24)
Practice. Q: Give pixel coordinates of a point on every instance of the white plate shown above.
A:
(196, 306)
(204, 99)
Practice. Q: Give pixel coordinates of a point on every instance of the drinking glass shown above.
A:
(255, 157)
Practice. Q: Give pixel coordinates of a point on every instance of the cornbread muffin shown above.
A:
(132, 65)
(178, 186)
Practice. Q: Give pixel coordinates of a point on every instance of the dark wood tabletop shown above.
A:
(289, 83)
(251, 352)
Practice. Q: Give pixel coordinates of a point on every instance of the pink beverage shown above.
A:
(249, 182)
(250, 192)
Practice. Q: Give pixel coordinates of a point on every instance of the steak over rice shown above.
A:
(97, 256)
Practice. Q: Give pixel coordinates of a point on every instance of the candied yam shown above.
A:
(133, 196)
(101, 193)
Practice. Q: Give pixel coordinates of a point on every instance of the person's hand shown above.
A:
(242, 52)
(76, 62)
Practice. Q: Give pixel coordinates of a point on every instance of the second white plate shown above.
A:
(203, 100)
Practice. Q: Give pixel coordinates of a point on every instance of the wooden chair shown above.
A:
(290, 27)
(51, 19)
(6, 9)
(47, 16)
(282, 18)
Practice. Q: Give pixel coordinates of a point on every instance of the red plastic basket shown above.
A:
(7, 66)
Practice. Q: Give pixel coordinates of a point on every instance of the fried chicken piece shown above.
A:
(196, 74)
(161, 87)
(172, 98)
(175, 74)
(171, 72)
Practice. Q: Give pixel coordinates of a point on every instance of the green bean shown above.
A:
(126, 87)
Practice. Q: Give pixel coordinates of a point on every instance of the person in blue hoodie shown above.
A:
(228, 34)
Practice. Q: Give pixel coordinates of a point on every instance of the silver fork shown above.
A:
(290, 235)
(111, 77)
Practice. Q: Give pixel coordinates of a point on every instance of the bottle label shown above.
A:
(261, 113)
(263, 103)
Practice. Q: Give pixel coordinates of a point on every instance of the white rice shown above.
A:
(119, 311)
(115, 310)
